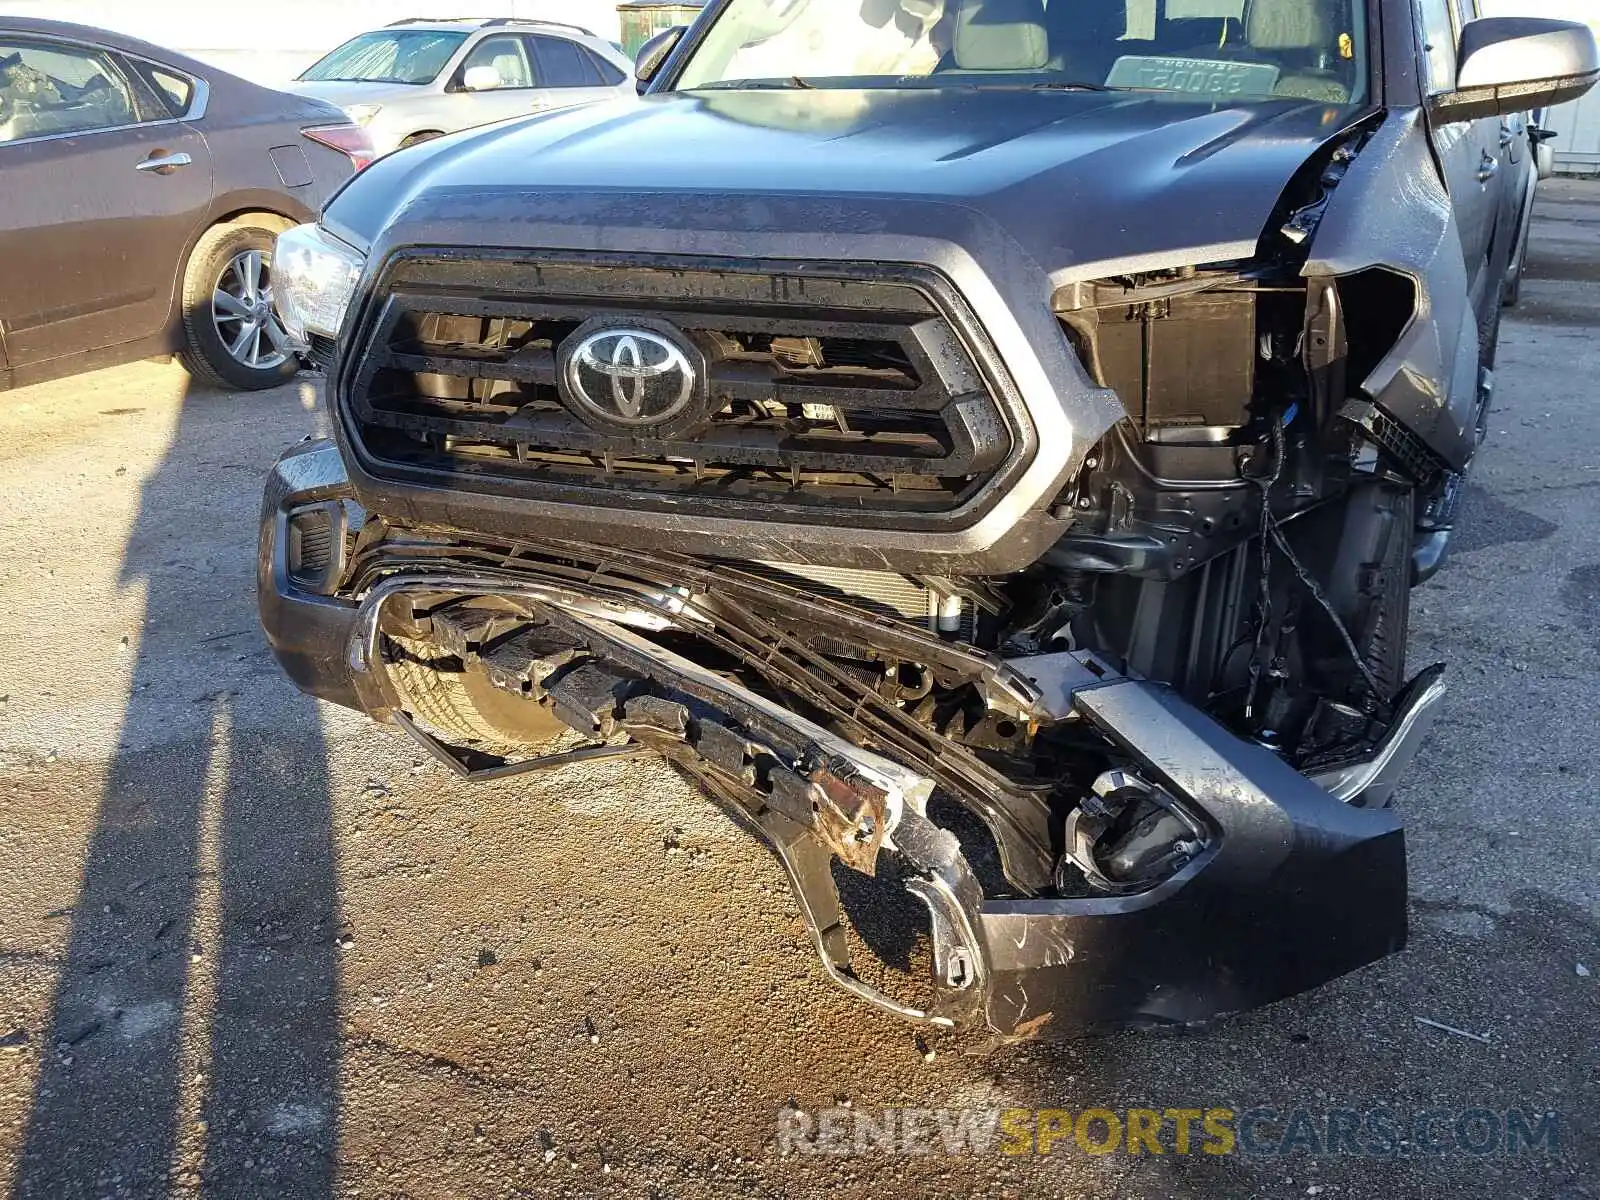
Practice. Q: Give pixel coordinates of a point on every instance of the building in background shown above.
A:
(1577, 124)
(643, 19)
(1577, 143)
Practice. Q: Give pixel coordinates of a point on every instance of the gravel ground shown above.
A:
(254, 946)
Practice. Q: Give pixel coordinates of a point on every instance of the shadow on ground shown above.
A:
(178, 1058)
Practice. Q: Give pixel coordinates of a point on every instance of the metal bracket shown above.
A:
(462, 766)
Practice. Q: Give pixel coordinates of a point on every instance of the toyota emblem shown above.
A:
(628, 376)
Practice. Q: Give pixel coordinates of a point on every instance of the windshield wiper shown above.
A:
(1063, 85)
(734, 85)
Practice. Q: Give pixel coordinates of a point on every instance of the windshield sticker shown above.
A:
(1198, 76)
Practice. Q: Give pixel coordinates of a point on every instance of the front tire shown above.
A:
(461, 704)
(1511, 288)
(232, 336)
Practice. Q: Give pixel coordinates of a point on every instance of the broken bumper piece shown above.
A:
(1292, 887)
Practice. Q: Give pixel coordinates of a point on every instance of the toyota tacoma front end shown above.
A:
(1006, 484)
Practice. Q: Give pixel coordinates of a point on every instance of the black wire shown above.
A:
(1264, 588)
(1239, 644)
(1317, 594)
(1272, 534)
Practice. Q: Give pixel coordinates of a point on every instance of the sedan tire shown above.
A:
(233, 338)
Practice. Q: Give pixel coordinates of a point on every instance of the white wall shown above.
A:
(274, 40)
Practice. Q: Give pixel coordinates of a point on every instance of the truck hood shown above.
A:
(1068, 177)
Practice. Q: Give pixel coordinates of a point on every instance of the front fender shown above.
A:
(1391, 211)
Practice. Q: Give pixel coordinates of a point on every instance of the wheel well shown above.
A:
(250, 216)
(1378, 306)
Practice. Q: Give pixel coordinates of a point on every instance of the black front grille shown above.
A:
(825, 391)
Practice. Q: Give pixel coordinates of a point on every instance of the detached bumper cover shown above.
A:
(1298, 889)
(1295, 888)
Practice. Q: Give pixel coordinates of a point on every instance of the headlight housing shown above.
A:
(314, 277)
(362, 114)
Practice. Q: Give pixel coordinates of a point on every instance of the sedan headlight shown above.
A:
(314, 277)
(361, 114)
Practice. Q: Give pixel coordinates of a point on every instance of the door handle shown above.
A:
(163, 164)
(1506, 136)
(1488, 167)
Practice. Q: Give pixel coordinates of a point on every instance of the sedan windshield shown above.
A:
(388, 56)
(1224, 49)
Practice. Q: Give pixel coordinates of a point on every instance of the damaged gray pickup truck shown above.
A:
(987, 444)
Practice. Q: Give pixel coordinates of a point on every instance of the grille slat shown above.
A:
(480, 362)
(732, 378)
(823, 393)
(910, 451)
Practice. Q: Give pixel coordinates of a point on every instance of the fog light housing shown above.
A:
(316, 542)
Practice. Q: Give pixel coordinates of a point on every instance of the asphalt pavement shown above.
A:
(255, 946)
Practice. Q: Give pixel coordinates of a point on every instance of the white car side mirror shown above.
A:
(480, 79)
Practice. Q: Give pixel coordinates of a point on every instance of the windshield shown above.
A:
(389, 56)
(1226, 49)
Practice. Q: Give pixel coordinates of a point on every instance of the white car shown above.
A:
(417, 79)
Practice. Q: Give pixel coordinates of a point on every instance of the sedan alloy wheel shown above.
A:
(241, 309)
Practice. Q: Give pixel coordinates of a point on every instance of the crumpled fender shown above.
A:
(1391, 210)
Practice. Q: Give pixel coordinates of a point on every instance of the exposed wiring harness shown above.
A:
(1272, 535)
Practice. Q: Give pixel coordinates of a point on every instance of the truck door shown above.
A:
(1469, 151)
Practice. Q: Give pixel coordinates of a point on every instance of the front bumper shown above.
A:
(1295, 887)
(309, 631)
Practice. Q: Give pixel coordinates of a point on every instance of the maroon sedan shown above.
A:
(140, 193)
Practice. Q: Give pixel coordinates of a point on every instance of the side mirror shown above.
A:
(480, 79)
(654, 52)
(1512, 64)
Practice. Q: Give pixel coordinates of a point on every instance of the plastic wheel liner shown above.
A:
(1284, 886)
